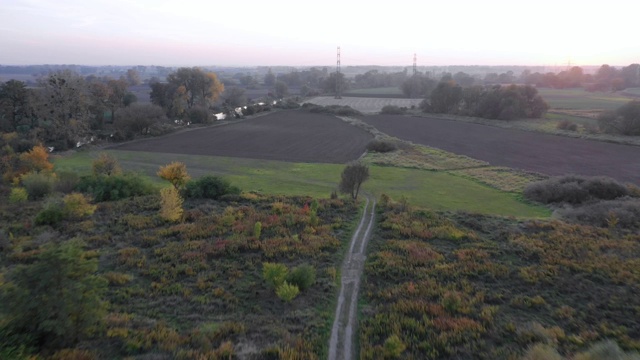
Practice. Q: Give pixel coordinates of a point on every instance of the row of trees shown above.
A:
(492, 102)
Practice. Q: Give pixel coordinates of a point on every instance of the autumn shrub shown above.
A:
(542, 352)
(303, 276)
(37, 159)
(393, 347)
(105, 164)
(287, 292)
(606, 350)
(170, 204)
(381, 146)
(66, 181)
(209, 187)
(257, 229)
(574, 189)
(175, 173)
(623, 213)
(115, 187)
(77, 206)
(38, 185)
(274, 274)
(18, 195)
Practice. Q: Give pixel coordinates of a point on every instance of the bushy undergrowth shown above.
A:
(567, 125)
(623, 214)
(331, 109)
(574, 189)
(115, 187)
(393, 110)
(209, 187)
(38, 185)
(381, 146)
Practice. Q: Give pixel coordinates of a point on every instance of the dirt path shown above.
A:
(346, 317)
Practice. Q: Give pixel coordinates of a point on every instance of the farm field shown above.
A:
(580, 99)
(285, 135)
(529, 151)
(438, 190)
(364, 105)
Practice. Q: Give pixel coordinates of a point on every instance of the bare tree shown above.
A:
(353, 175)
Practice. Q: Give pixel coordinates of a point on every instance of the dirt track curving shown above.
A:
(285, 135)
(543, 153)
(346, 316)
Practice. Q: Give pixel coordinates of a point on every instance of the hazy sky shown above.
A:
(249, 32)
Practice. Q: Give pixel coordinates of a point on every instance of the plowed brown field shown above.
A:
(286, 135)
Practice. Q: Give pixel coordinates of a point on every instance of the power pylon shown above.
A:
(338, 87)
(415, 64)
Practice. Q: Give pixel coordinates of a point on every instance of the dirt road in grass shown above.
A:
(346, 316)
(548, 154)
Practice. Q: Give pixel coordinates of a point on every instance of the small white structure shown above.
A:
(220, 116)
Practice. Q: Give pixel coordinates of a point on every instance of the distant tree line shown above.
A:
(491, 102)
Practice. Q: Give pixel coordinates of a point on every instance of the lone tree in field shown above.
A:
(352, 178)
(175, 173)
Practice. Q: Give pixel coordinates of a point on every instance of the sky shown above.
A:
(303, 33)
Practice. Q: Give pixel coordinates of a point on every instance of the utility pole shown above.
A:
(338, 87)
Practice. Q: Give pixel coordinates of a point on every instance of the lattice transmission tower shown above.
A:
(338, 77)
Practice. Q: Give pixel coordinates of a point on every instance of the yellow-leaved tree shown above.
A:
(175, 173)
(37, 159)
(170, 204)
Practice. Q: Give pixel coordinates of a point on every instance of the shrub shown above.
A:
(115, 187)
(381, 146)
(303, 276)
(575, 189)
(51, 214)
(393, 347)
(38, 185)
(175, 173)
(18, 195)
(542, 352)
(274, 274)
(77, 206)
(392, 110)
(567, 125)
(605, 350)
(331, 109)
(199, 115)
(257, 229)
(621, 213)
(105, 164)
(170, 204)
(287, 292)
(67, 181)
(37, 159)
(209, 187)
(625, 120)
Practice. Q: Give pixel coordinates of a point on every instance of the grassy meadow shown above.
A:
(581, 99)
(438, 190)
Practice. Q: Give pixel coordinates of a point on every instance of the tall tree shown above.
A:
(198, 86)
(353, 175)
(133, 78)
(15, 105)
(269, 78)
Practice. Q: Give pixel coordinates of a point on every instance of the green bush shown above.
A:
(575, 189)
(393, 347)
(274, 274)
(287, 292)
(115, 187)
(18, 195)
(67, 181)
(51, 214)
(567, 125)
(381, 146)
(621, 213)
(303, 276)
(38, 185)
(393, 110)
(209, 187)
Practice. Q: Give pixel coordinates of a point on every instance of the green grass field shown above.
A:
(581, 99)
(423, 188)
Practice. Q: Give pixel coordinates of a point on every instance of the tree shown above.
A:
(105, 164)
(269, 78)
(57, 300)
(175, 173)
(133, 78)
(446, 97)
(195, 86)
(281, 89)
(234, 96)
(625, 120)
(37, 159)
(353, 175)
(63, 104)
(170, 204)
(15, 105)
(138, 119)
